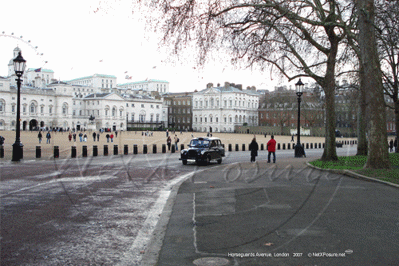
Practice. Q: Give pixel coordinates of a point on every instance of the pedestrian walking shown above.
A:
(395, 144)
(116, 134)
(40, 137)
(98, 137)
(169, 142)
(292, 138)
(70, 136)
(81, 136)
(271, 148)
(74, 136)
(391, 146)
(2, 139)
(253, 147)
(107, 136)
(85, 137)
(176, 141)
(94, 136)
(48, 137)
(111, 137)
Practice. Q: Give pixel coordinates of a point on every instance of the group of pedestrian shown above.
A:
(48, 137)
(110, 137)
(271, 148)
(169, 142)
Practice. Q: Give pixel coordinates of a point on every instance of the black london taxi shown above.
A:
(203, 151)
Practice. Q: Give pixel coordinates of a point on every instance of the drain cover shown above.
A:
(211, 261)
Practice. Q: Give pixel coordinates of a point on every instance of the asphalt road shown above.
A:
(92, 211)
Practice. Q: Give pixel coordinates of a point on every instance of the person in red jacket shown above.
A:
(271, 148)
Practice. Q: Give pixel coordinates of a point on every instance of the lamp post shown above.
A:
(299, 151)
(17, 150)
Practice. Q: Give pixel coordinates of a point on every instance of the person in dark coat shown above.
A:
(94, 136)
(395, 144)
(391, 146)
(253, 147)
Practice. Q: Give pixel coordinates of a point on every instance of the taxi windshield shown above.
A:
(199, 143)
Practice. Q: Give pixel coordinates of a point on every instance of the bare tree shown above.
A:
(297, 38)
(373, 88)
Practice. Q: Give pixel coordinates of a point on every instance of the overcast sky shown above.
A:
(78, 40)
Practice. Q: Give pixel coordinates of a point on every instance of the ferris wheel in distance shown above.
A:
(27, 42)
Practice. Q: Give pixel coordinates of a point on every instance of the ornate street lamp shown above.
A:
(19, 67)
(299, 151)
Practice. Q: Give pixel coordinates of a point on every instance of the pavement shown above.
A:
(285, 213)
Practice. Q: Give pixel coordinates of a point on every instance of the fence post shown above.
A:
(38, 152)
(95, 150)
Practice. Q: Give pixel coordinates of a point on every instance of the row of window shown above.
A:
(183, 119)
(237, 119)
(211, 104)
(180, 111)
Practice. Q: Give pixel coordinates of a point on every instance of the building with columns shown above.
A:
(48, 103)
(221, 108)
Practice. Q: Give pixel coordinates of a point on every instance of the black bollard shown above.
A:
(243, 147)
(84, 151)
(283, 146)
(289, 146)
(126, 149)
(262, 146)
(230, 147)
(73, 152)
(38, 152)
(105, 150)
(278, 146)
(237, 147)
(135, 149)
(116, 149)
(95, 150)
(56, 151)
(173, 148)
(181, 147)
(145, 149)
(154, 148)
(163, 148)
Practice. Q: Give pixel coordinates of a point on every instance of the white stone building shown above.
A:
(147, 86)
(220, 109)
(48, 103)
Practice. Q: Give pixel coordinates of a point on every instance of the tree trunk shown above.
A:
(330, 149)
(377, 155)
(397, 122)
(362, 120)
